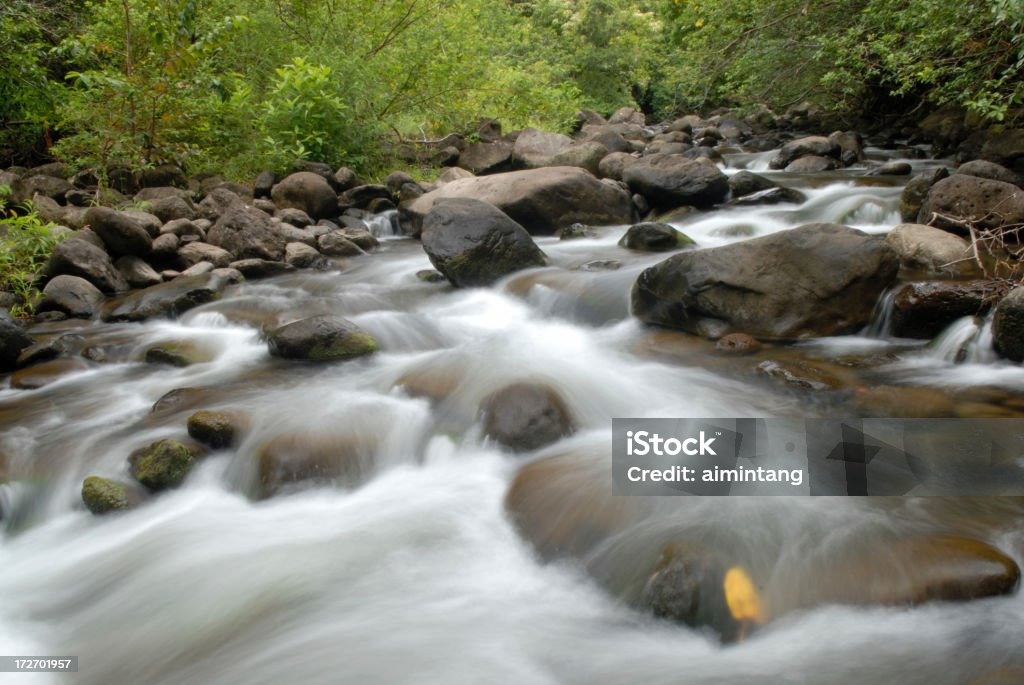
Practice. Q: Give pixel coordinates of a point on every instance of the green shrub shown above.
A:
(25, 245)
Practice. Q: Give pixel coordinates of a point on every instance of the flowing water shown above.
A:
(418, 575)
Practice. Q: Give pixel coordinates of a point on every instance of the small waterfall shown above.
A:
(385, 225)
(965, 341)
(881, 318)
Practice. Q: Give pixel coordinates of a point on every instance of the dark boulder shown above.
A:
(216, 429)
(102, 496)
(811, 164)
(925, 309)
(137, 272)
(669, 181)
(74, 296)
(309, 192)
(474, 244)
(526, 416)
(121, 234)
(162, 465)
(652, 236)
(77, 257)
(13, 339)
(959, 200)
(989, 170)
(1008, 325)
(166, 299)
(815, 280)
(818, 146)
(320, 338)
(487, 158)
(247, 233)
(915, 191)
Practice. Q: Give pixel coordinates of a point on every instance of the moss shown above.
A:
(212, 428)
(349, 346)
(162, 465)
(102, 496)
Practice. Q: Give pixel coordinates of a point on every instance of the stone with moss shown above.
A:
(215, 428)
(320, 338)
(162, 465)
(102, 496)
(652, 236)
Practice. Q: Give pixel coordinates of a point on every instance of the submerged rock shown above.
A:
(215, 428)
(655, 237)
(1008, 325)
(320, 338)
(166, 299)
(162, 465)
(525, 417)
(291, 461)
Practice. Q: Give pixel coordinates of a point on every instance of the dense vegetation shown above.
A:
(240, 85)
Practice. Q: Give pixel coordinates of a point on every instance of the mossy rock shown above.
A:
(655, 237)
(321, 338)
(102, 496)
(162, 465)
(214, 428)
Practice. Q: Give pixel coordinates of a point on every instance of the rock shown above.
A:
(1005, 148)
(985, 203)
(177, 353)
(261, 268)
(193, 253)
(601, 265)
(180, 228)
(654, 237)
(365, 195)
(747, 183)
(989, 170)
(362, 237)
(669, 181)
(337, 244)
(102, 496)
(77, 257)
(302, 256)
(344, 179)
(770, 196)
(197, 269)
(214, 428)
(628, 115)
(851, 146)
(933, 250)
(396, 179)
(292, 460)
(121, 234)
(248, 233)
(574, 232)
(13, 339)
(167, 299)
(614, 164)
(1008, 325)
(915, 191)
(534, 149)
(453, 173)
(162, 465)
(541, 200)
(294, 217)
(486, 158)
(892, 169)
(26, 188)
(817, 146)
(525, 417)
(607, 136)
(799, 374)
(815, 280)
(474, 244)
(40, 375)
(320, 338)
(925, 309)
(217, 202)
(76, 297)
(264, 184)
(585, 155)
(309, 192)
(738, 344)
(171, 208)
(162, 175)
(137, 272)
(811, 164)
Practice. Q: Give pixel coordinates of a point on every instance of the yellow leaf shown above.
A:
(699, 23)
(742, 597)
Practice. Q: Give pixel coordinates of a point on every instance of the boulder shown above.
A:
(76, 297)
(320, 338)
(1008, 325)
(925, 309)
(102, 496)
(162, 465)
(614, 164)
(585, 155)
(811, 164)
(737, 344)
(167, 299)
(195, 252)
(260, 268)
(291, 461)
(670, 181)
(77, 257)
(818, 146)
(474, 244)
(249, 233)
(851, 146)
(541, 200)
(13, 339)
(121, 234)
(26, 188)
(309, 192)
(628, 115)
(302, 256)
(815, 280)
(1005, 148)
(989, 170)
(932, 250)
(915, 191)
(171, 208)
(368, 196)
(606, 135)
(892, 169)
(216, 429)
(486, 158)
(264, 184)
(525, 417)
(216, 203)
(182, 228)
(651, 236)
(294, 217)
(40, 375)
(137, 272)
(337, 244)
(534, 149)
(954, 202)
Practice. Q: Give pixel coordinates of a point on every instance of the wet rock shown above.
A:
(162, 465)
(818, 279)
(534, 149)
(654, 237)
(320, 338)
(474, 244)
(892, 169)
(932, 250)
(574, 232)
(526, 416)
(40, 375)
(960, 199)
(915, 191)
(291, 461)
(167, 299)
(195, 252)
(800, 374)
(1008, 325)
(811, 164)
(541, 200)
(816, 146)
(747, 183)
(102, 496)
(738, 344)
(302, 256)
(13, 339)
(180, 354)
(179, 399)
(925, 309)
(601, 265)
(989, 170)
(430, 276)
(902, 402)
(215, 428)
(361, 236)
(309, 192)
(669, 181)
(770, 196)
(137, 272)
(74, 296)
(248, 233)
(367, 196)
(260, 268)
(77, 257)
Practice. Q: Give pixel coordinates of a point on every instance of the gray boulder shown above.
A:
(320, 338)
(954, 202)
(76, 297)
(534, 149)
(167, 299)
(121, 234)
(815, 280)
(932, 250)
(137, 272)
(77, 257)
(652, 236)
(486, 158)
(309, 192)
(1008, 325)
(13, 339)
(248, 233)
(819, 146)
(670, 181)
(526, 416)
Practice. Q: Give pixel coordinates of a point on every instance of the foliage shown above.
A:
(25, 245)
